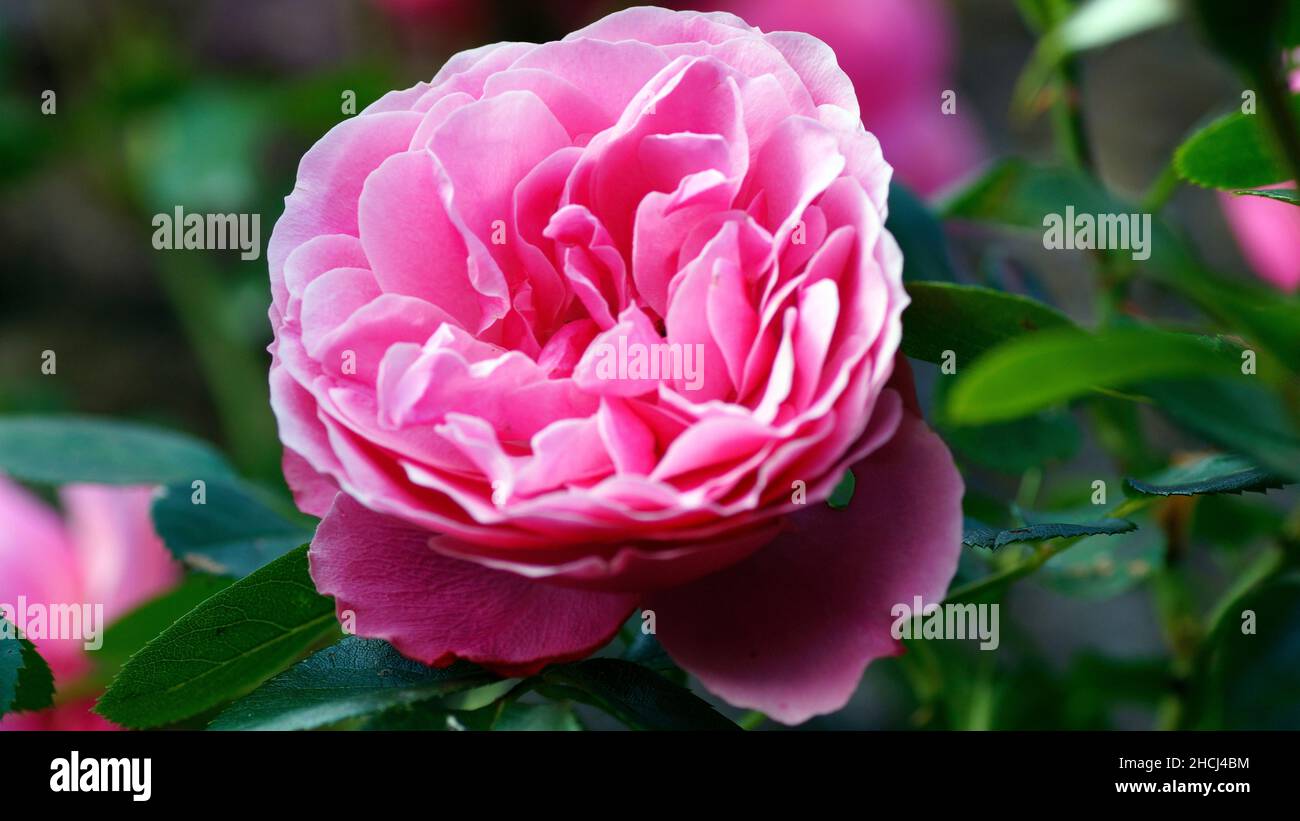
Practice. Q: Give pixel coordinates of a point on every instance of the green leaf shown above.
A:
(920, 236)
(1015, 193)
(232, 533)
(353, 678)
(1106, 565)
(1235, 414)
(1281, 194)
(842, 495)
(1026, 375)
(1256, 674)
(969, 320)
(25, 679)
(977, 534)
(60, 449)
(645, 649)
(224, 647)
(1009, 447)
(126, 636)
(549, 717)
(1233, 152)
(636, 696)
(1220, 473)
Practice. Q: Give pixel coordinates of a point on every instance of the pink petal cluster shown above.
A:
(106, 553)
(455, 266)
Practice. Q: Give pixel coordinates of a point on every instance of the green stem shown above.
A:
(1164, 186)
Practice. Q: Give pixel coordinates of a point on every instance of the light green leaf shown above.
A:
(1233, 152)
(224, 647)
(1027, 375)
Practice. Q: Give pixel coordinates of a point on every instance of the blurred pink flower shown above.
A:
(106, 553)
(1268, 231)
(899, 55)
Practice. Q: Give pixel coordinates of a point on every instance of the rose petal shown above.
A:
(436, 609)
(790, 630)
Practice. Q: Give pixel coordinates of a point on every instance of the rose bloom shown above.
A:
(107, 553)
(450, 276)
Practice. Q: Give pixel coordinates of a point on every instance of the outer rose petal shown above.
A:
(790, 630)
(437, 609)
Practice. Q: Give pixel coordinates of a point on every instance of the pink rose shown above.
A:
(899, 55)
(1268, 231)
(107, 554)
(463, 281)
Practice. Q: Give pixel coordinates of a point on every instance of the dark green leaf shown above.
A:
(1233, 152)
(224, 647)
(979, 535)
(842, 495)
(1256, 674)
(25, 680)
(353, 678)
(1010, 447)
(1018, 194)
(232, 533)
(82, 449)
(1281, 194)
(920, 236)
(1221, 473)
(646, 650)
(969, 320)
(638, 697)
(1235, 414)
